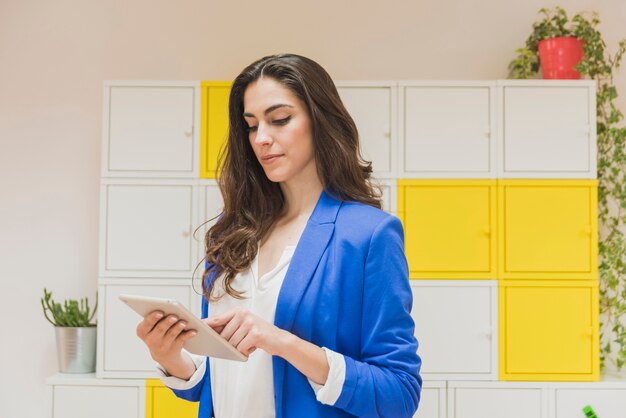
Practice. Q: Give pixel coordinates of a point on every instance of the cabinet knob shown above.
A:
(587, 230)
(588, 332)
(487, 231)
(487, 131)
(186, 231)
(487, 334)
(387, 134)
(189, 133)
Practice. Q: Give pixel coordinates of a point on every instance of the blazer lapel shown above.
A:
(311, 246)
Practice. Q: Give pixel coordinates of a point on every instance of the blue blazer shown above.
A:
(346, 289)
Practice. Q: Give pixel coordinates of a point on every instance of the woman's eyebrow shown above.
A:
(268, 110)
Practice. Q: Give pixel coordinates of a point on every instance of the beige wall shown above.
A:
(54, 56)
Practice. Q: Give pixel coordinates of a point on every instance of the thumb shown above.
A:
(213, 323)
(210, 321)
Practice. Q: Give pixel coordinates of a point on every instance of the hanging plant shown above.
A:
(599, 65)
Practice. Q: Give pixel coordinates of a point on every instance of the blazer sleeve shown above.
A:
(385, 382)
(195, 393)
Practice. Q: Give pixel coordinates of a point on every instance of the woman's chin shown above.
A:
(275, 174)
(274, 177)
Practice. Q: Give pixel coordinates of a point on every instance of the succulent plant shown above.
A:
(71, 314)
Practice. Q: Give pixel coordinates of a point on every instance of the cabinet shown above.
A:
(211, 205)
(449, 228)
(548, 229)
(372, 105)
(607, 398)
(146, 228)
(149, 129)
(456, 325)
(162, 403)
(547, 129)
(432, 400)
(80, 396)
(121, 354)
(389, 196)
(432, 146)
(493, 181)
(549, 330)
(497, 400)
(214, 124)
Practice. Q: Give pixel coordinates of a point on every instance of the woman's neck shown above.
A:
(301, 196)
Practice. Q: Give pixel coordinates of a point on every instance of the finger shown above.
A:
(185, 336)
(238, 336)
(247, 345)
(173, 332)
(216, 328)
(150, 320)
(163, 326)
(222, 319)
(231, 327)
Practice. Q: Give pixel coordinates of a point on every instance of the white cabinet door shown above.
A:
(211, 205)
(455, 324)
(96, 402)
(121, 353)
(447, 131)
(607, 403)
(497, 400)
(149, 130)
(371, 108)
(432, 401)
(389, 189)
(147, 230)
(493, 402)
(548, 130)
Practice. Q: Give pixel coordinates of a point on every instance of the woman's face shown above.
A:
(279, 131)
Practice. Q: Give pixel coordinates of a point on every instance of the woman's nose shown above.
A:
(262, 135)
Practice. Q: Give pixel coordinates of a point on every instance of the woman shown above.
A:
(305, 274)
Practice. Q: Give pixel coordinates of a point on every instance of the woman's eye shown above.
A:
(282, 121)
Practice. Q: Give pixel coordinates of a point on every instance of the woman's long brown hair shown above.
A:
(252, 203)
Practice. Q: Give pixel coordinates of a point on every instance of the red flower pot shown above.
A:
(559, 56)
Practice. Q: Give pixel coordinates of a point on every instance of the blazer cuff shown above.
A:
(349, 385)
(329, 392)
(176, 383)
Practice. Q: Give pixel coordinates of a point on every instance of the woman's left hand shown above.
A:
(247, 331)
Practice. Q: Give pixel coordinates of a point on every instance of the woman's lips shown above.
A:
(270, 158)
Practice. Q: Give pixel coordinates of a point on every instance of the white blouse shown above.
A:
(245, 389)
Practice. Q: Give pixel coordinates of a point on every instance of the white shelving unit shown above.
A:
(152, 201)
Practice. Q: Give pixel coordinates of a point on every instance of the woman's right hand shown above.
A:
(165, 337)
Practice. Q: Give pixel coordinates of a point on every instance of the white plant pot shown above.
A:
(76, 349)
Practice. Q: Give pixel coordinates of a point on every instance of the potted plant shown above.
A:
(75, 334)
(558, 45)
(597, 64)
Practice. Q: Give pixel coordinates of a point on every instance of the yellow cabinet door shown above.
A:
(213, 124)
(548, 330)
(547, 229)
(162, 403)
(449, 228)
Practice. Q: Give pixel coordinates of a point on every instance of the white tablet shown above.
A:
(207, 341)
